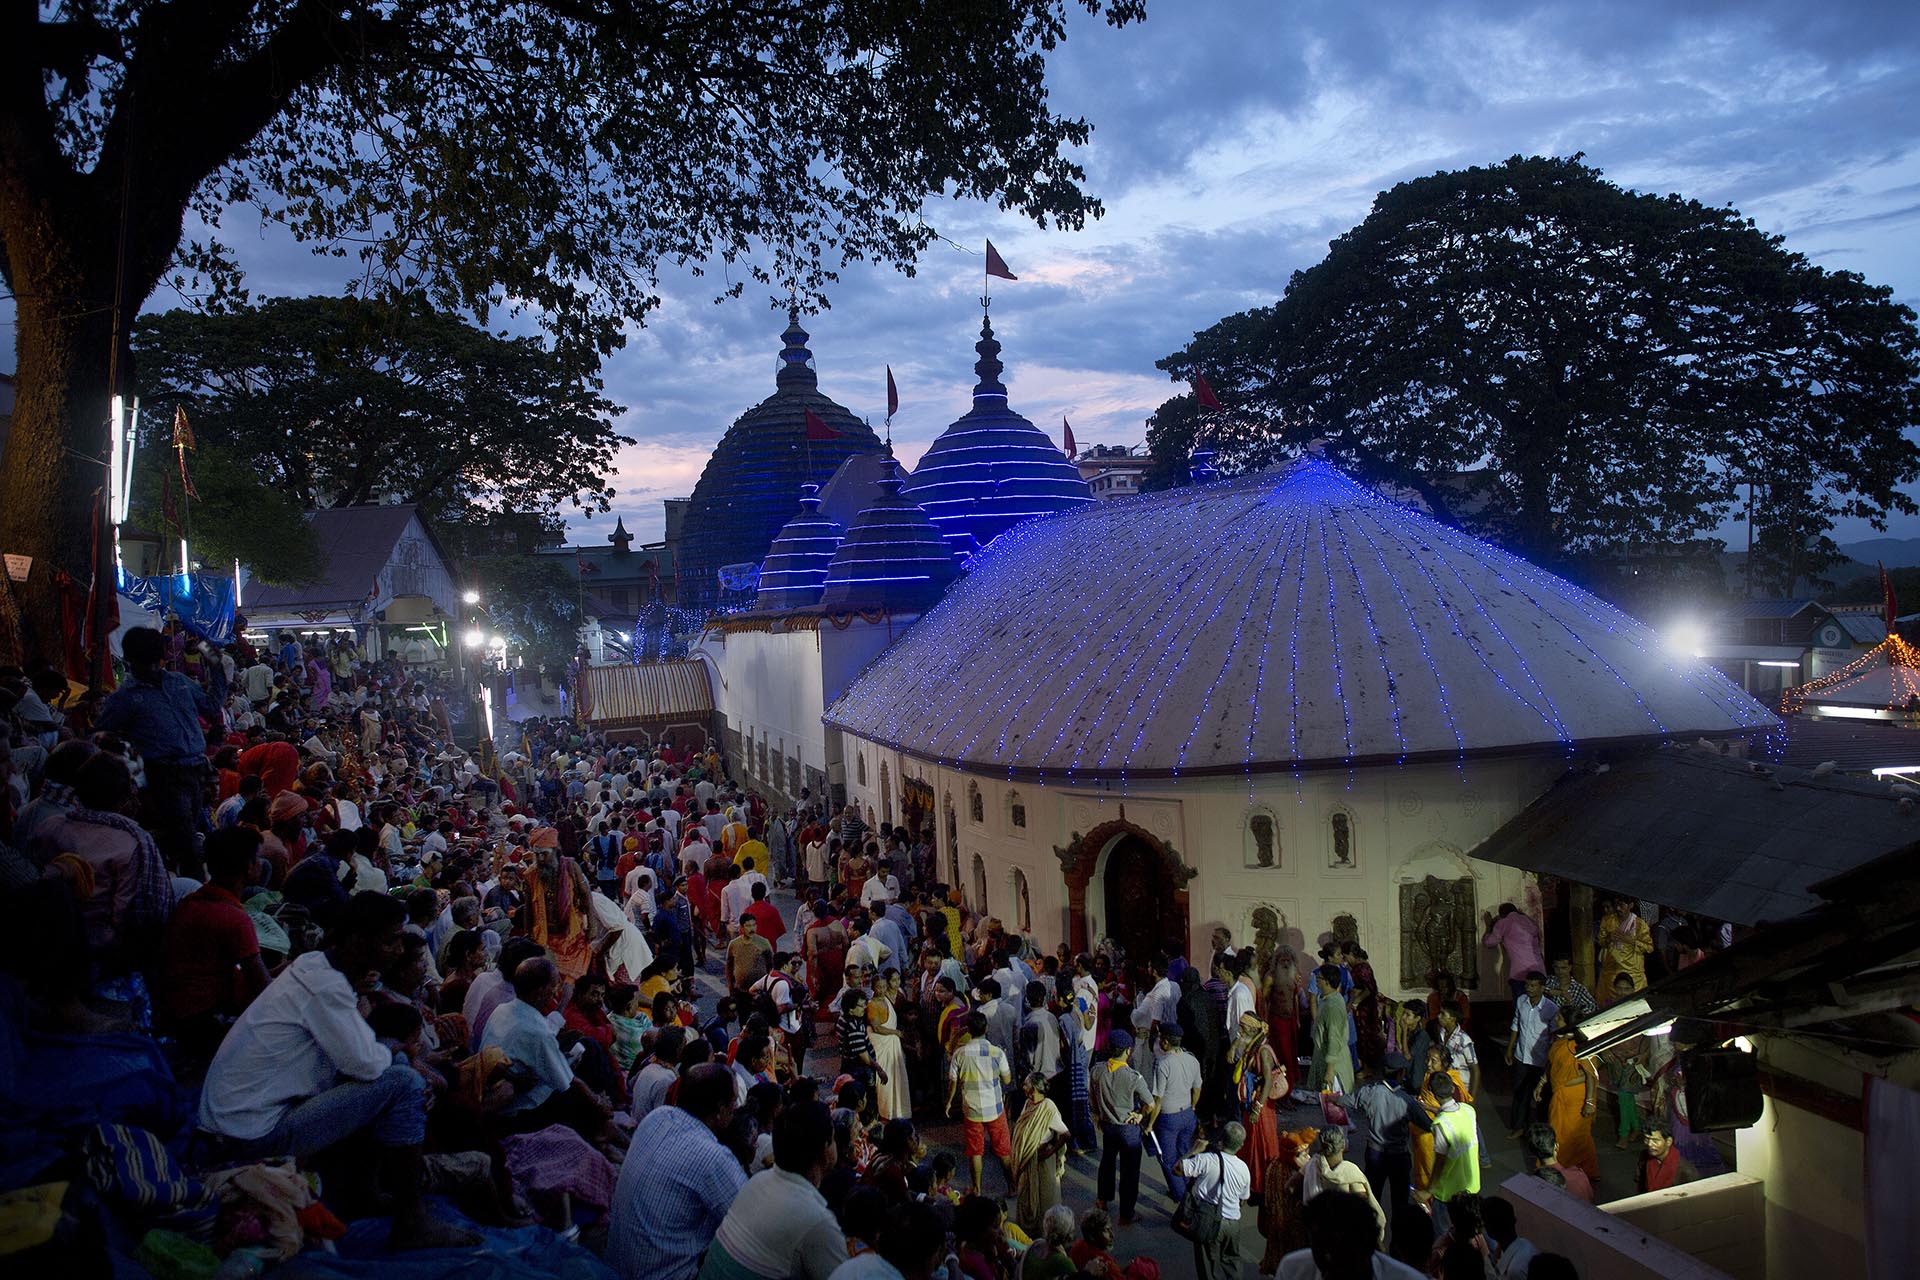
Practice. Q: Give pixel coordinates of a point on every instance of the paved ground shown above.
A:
(1151, 1236)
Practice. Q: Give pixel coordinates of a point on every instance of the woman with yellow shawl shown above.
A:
(1576, 1095)
(558, 917)
(1039, 1156)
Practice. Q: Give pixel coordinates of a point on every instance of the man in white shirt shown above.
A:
(640, 904)
(738, 896)
(677, 1182)
(259, 682)
(1219, 1177)
(301, 1069)
(880, 889)
(780, 1224)
(1533, 1019)
(1175, 1082)
(1344, 1244)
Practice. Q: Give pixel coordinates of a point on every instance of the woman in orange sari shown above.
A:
(1576, 1095)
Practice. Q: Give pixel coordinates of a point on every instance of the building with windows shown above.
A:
(1113, 470)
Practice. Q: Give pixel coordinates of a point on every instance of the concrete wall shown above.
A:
(1602, 1246)
(1405, 824)
(1814, 1170)
(1721, 1221)
(767, 686)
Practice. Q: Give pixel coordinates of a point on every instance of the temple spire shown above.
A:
(796, 362)
(988, 367)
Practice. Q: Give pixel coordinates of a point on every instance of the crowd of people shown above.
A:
(553, 985)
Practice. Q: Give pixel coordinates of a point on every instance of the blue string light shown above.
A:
(1070, 638)
(993, 469)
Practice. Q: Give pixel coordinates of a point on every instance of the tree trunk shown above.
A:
(63, 345)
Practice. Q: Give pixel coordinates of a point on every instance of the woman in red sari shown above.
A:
(1283, 1006)
(1259, 1082)
(825, 946)
(1370, 1033)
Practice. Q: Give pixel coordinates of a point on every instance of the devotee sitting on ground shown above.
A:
(678, 1181)
(210, 966)
(779, 1225)
(301, 1070)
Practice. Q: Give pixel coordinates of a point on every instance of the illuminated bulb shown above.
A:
(475, 638)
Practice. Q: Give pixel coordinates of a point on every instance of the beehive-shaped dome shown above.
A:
(745, 494)
(891, 557)
(795, 570)
(1283, 620)
(993, 469)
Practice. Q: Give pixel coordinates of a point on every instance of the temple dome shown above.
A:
(891, 557)
(993, 469)
(746, 492)
(795, 570)
(1281, 620)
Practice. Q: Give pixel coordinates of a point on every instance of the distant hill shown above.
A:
(1895, 553)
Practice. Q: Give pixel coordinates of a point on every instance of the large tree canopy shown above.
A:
(1577, 370)
(546, 154)
(337, 401)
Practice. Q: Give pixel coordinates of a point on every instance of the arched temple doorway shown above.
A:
(1142, 888)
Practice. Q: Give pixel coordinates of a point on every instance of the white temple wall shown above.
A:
(1403, 826)
(768, 685)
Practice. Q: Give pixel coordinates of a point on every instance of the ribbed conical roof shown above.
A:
(746, 491)
(992, 469)
(1273, 621)
(795, 570)
(892, 556)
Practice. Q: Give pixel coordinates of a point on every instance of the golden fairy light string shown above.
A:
(1903, 664)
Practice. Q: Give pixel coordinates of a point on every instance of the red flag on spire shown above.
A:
(817, 428)
(997, 265)
(1204, 393)
(893, 394)
(182, 441)
(1066, 432)
(1889, 607)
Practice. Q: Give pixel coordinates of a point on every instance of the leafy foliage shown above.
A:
(236, 517)
(551, 153)
(545, 156)
(533, 603)
(337, 401)
(1575, 370)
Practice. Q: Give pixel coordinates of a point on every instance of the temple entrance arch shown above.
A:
(1141, 887)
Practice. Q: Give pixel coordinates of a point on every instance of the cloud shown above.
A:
(1233, 139)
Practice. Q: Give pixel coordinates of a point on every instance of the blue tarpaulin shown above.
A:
(203, 602)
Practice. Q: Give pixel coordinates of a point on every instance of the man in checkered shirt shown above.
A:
(977, 1076)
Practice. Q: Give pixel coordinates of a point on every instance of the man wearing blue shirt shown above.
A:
(159, 712)
(678, 1181)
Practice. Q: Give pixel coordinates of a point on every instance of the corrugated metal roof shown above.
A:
(1770, 608)
(1699, 831)
(635, 693)
(1865, 628)
(1854, 746)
